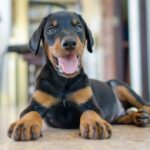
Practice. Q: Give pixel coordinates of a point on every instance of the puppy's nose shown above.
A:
(69, 44)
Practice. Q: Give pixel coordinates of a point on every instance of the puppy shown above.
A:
(64, 95)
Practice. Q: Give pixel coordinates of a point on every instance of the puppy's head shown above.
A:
(64, 35)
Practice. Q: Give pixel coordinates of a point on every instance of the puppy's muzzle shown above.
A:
(69, 43)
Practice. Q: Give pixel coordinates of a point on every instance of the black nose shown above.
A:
(69, 44)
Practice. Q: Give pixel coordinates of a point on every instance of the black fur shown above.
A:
(90, 41)
(34, 43)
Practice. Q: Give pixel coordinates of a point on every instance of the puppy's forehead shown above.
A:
(63, 18)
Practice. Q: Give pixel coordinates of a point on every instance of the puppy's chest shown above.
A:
(63, 115)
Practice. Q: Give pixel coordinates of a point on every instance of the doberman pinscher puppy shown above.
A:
(64, 96)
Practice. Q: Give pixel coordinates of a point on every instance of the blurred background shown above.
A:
(121, 29)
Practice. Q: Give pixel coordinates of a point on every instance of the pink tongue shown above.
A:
(69, 63)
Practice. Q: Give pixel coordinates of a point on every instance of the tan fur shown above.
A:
(44, 99)
(93, 126)
(27, 127)
(74, 21)
(54, 23)
(82, 96)
(133, 118)
(33, 115)
(57, 50)
(147, 108)
(89, 116)
(124, 95)
(127, 119)
(80, 47)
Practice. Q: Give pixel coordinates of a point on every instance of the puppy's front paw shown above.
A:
(92, 126)
(24, 130)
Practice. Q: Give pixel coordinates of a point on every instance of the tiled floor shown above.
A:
(124, 138)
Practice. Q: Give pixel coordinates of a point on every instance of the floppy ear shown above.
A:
(88, 35)
(35, 40)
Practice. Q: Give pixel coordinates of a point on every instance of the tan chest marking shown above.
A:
(44, 99)
(82, 96)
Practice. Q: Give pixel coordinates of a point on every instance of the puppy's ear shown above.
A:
(35, 40)
(88, 35)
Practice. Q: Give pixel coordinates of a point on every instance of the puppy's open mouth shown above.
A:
(68, 64)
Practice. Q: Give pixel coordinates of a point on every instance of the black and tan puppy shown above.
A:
(64, 96)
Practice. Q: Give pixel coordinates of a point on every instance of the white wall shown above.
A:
(134, 45)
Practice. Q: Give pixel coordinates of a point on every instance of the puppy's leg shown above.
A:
(140, 118)
(92, 125)
(29, 126)
(129, 98)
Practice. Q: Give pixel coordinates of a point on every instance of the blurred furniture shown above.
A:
(34, 63)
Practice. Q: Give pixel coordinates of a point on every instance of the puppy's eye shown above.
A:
(78, 28)
(51, 30)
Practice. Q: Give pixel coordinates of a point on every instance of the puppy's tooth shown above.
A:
(60, 70)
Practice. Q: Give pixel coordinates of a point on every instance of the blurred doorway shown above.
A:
(122, 41)
(131, 44)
